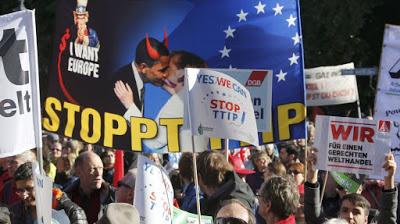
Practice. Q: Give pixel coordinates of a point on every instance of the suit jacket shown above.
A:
(127, 75)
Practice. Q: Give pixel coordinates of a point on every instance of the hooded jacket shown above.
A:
(233, 188)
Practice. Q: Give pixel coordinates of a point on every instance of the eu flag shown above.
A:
(253, 34)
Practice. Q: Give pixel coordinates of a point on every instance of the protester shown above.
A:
(90, 191)
(126, 188)
(188, 201)
(297, 171)
(64, 175)
(260, 161)
(219, 183)
(108, 159)
(279, 200)
(120, 213)
(275, 168)
(8, 194)
(354, 207)
(233, 211)
(55, 152)
(24, 211)
(288, 154)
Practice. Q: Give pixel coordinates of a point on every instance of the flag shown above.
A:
(20, 117)
(219, 106)
(153, 193)
(118, 167)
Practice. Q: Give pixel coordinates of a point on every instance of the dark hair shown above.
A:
(291, 150)
(188, 60)
(282, 194)
(357, 200)
(24, 172)
(212, 166)
(141, 51)
(186, 166)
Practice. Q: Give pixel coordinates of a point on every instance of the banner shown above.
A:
(219, 106)
(105, 88)
(327, 86)
(19, 100)
(183, 217)
(387, 99)
(43, 191)
(352, 145)
(349, 184)
(153, 193)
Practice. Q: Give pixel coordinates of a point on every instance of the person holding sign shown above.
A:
(354, 207)
(24, 211)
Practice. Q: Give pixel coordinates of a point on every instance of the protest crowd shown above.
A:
(264, 184)
(187, 108)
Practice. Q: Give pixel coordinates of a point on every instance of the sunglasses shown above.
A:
(122, 184)
(229, 220)
(56, 149)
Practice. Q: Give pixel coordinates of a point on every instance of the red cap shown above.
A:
(238, 165)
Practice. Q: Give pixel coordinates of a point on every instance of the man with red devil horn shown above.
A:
(150, 65)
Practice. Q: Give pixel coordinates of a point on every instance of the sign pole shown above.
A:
(196, 181)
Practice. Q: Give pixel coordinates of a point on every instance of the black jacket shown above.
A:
(233, 188)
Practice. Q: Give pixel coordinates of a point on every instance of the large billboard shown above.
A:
(117, 60)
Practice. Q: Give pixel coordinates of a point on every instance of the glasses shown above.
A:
(229, 220)
(295, 172)
(22, 191)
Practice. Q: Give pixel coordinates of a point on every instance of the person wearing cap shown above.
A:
(126, 188)
(219, 182)
(84, 35)
(120, 213)
(238, 166)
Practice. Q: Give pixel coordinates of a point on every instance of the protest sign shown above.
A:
(219, 106)
(19, 99)
(349, 184)
(153, 193)
(327, 86)
(387, 99)
(351, 145)
(183, 217)
(43, 197)
(85, 100)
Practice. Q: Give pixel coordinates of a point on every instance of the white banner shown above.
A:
(43, 190)
(19, 100)
(219, 106)
(327, 86)
(153, 193)
(352, 145)
(387, 99)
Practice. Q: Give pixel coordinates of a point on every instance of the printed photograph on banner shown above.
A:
(116, 89)
(327, 86)
(17, 72)
(352, 145)
(219, 106)
(389, 75)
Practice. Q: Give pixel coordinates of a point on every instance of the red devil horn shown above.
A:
(150, 50)
(165, 39)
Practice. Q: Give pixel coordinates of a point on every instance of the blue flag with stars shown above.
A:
(253, 35)
(95, 47)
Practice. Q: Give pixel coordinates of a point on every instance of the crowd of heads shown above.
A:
(263, 184)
